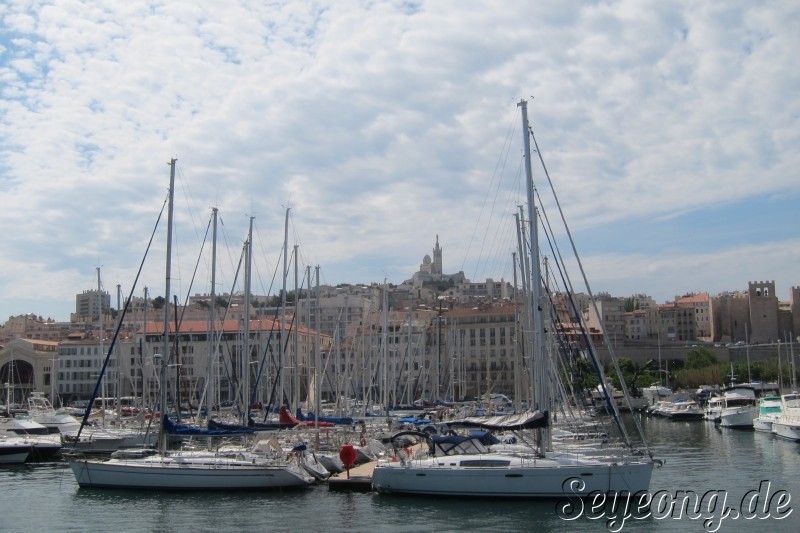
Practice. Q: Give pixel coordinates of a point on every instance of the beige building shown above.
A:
(26, 365)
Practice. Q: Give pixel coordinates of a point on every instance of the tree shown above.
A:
(158, 302)
(700, 358)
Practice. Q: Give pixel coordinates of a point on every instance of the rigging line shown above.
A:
(296, 234)
(494, 203)
(559, 261)
(511, 199)
(612, 354)
(96, 390)
(498, 252)
(228, 247)
(500, 160)
(194, 274)
(219, 339)
(277, 265)
(188, 196)
(264, 357)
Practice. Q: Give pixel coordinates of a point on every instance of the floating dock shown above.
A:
(360, 479)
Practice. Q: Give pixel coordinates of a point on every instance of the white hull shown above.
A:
(13, 451)
(93, 443)
(540, 478)
(14, 458)
(786, 429)
(186, 473)
(737, 417)
(763, 424)
(57, 423)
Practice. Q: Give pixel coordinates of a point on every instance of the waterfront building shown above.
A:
(80, 361)
(482, 350)
(612, 314)
(26, 365)
(701, 305)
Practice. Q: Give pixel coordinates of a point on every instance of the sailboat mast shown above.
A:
(540, 365)
(384, 348)
(162, 435)
(101, 337)
(317, 357)
(295, 336)
(245, 372)
(281, 344)
(212, 317)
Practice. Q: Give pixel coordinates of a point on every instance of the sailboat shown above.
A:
(201, 470)
(468, 466)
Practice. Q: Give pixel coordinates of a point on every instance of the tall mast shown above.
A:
(384, 348)
(245, 377)
(101, 337)
(281, 354)
(317, 358)
(540, 365)
(212, 317)
(296, 337)
(162, 435)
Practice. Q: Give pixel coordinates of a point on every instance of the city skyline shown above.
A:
(669, 131)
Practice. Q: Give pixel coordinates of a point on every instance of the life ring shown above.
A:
(363, 441)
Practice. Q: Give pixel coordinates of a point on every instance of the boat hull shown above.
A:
(169, 474)
(787, 430)
(737, 418)
(763, 424)
(542, 480)
(10, 455)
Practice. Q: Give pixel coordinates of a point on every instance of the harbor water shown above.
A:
(713, 480)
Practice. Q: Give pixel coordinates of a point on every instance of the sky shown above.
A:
(669, 131)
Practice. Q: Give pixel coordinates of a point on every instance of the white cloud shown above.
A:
(382, 124)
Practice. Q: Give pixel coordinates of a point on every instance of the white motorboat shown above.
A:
(736, 408)
(43, 444)
(787, 425)
(13, 450)
(656, 392)
(685, 410)
(43, 412)
(769, 409)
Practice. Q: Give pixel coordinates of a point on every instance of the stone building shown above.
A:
(26, 365)
(701, 304)
(763, 305)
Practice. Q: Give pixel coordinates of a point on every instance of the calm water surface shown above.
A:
(699, 458)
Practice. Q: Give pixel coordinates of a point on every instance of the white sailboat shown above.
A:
(184, 470)
(464, 466)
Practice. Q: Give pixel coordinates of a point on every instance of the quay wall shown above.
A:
(642, 353)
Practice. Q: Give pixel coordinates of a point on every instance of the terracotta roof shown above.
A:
(229, 326)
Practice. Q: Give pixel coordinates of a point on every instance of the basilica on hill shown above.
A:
(430, 272)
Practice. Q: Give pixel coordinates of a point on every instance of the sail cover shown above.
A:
(525, 420)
